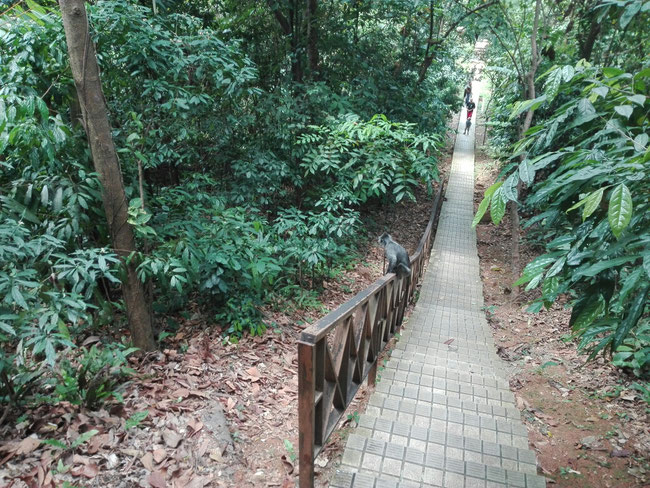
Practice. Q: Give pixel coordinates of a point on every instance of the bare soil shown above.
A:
(588, 428)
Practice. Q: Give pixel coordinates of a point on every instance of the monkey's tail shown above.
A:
(403, 270)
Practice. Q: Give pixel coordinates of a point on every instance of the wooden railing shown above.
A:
(339, 351)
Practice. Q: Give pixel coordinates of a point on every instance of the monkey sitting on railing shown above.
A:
(398, 258)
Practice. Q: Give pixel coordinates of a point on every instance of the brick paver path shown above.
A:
(443, 414)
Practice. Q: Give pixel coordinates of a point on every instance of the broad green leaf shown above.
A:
(630, 320)
(592, 203)
(600, 90)
(641, 142)
(534, 282)
(624, 110)
(637, 99)
(568, 72)
(526, 171)
(55, 443)
(498, 207)
(490, 191)
(44, 195)
(83, 438)
(483, 206)
(550, 288)
(556, 268)
(585, 113)
(58, 199)
(509, 188)
(630, 11)
(629, 284)
(600, 266)
(620, 209)
(135, 419)
(590, 312)
(43, 110)
(535, 267)
(18, 298)
(527, 105)
(480, 212)
(612, 72)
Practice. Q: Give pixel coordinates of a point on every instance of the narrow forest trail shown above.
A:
(443, 413)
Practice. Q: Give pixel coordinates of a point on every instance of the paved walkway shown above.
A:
(443, 414)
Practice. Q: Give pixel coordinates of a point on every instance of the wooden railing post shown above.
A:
(306, 397)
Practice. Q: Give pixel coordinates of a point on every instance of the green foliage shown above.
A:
(94, 375)
(590, 153)
(136, 419)
(79, 441)
(364, 160)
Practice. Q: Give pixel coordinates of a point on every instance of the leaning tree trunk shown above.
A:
(85, 72)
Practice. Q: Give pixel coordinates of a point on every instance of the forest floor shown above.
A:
(202, 412)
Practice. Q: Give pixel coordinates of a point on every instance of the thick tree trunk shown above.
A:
(85, 72)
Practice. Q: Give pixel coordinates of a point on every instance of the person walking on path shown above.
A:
(470, 111)
(467, 95)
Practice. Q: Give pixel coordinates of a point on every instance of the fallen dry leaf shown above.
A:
(159, 455)
(253, 373)
(87, 470)
(180, 393)
(27, 445)
(157, 480)
(288, 483)
(147, 461)
(172, 439)
(230, 404)
(287, 464)
(195, 425)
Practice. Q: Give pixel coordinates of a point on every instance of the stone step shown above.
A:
(423, 327)
(450, 312)
(415, 330)
(445, 317)
(420, 337)
(438, 400)
(463, 391)
(493, 423)
(479, 355)
(433, 377)
(397, 464)
(446, 369)
(455, 362)
(447, 444)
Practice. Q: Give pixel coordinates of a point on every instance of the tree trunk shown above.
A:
(530, 89)
(312, 38)
(587, 45)
(85, 72)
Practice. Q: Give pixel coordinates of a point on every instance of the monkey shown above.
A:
(398, 258)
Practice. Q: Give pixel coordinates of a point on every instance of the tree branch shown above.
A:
(458, 21)
(282, 20)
